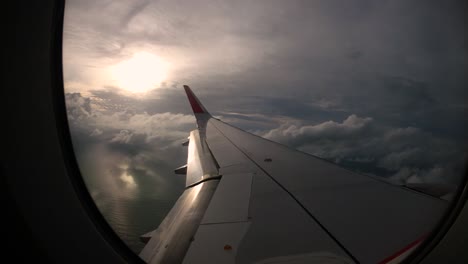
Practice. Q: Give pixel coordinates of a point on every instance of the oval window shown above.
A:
(366, 100)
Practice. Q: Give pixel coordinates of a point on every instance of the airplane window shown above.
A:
(373, 95)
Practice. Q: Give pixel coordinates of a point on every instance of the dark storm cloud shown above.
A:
(402, 101)
(299, 48)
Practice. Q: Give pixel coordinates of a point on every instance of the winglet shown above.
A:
(197, 107)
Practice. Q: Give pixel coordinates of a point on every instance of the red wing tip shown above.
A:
(408, 247)
(196, 105)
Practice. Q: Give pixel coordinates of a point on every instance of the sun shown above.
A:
(142, 72)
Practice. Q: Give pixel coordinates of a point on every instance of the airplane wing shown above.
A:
(251, 200)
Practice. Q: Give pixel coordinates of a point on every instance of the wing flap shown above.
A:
(230, 202)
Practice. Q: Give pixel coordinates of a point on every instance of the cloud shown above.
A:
(253, 46)
(296, 134)
(360, 143)
(254, 57)
(96, 132)
(129, 149)
(105, 114)
(127, 178)
(78, 107)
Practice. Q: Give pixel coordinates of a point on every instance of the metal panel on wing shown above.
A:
(358, 210)
(230, 202)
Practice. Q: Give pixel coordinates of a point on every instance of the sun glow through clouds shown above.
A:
(142, 72)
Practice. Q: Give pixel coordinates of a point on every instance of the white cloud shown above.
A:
(126, 125)
(78, 107)
(128, 180)
(296, 133)
(113, 134)
(96, 132)
(412, 154)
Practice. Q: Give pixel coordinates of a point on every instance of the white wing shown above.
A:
(251, 200)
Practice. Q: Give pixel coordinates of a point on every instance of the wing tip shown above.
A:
(197, 107)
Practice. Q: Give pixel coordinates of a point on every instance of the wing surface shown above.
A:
(271, 204)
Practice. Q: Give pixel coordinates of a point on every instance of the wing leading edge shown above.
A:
(259, 201)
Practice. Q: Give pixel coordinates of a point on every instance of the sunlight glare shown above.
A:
(141, 73)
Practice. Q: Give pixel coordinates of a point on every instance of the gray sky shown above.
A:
(376, 86)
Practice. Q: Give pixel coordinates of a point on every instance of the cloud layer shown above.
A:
(401, 153)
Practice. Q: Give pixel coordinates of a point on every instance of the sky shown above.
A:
(378, 87)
